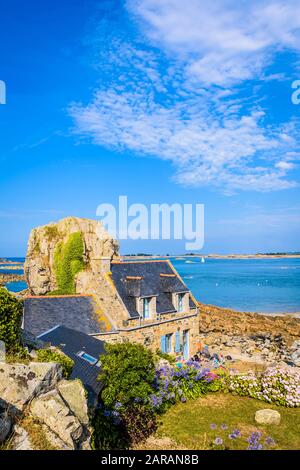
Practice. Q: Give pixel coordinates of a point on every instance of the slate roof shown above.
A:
(43, 313)
(71, 342)
(147, 279)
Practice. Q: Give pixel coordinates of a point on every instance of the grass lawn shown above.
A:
(188, 424)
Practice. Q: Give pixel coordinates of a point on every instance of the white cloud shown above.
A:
(168, 106)
(222, 41)
(285, 166)
(205, 148)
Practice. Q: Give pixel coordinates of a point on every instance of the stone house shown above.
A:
(160, 311)
(138, 301)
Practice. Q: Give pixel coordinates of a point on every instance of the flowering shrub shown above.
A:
(174, 384)
(253, 441)
(135, 393)
(276, 385)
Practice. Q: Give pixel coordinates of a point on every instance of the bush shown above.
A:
(135, 393)
(68, 261)
(108, 433)
(11, 310)
(275, 385)
(128, 373)
(50, 355)
(174, 384)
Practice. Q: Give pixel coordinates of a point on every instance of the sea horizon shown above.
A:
(261, 285)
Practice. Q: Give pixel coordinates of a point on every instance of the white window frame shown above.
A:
(180, 298)
(169, 343)
(144, 300)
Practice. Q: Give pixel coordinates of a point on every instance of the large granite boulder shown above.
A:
(74, 395)
(267, 416)
(37, 392)
(99, 249)
(51, 410)
(20, 383)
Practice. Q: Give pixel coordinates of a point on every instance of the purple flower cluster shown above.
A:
(235, 434)
(118, 405)
(218, 441)
(254, 441)
(173, 384)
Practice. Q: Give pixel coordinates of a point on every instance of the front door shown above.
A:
(185, 344)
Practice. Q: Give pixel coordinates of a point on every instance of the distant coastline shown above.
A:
(215, 256)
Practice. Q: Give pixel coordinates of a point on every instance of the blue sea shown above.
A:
(16, 286)
(253, 285)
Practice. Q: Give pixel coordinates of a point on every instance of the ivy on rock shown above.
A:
(68, 261)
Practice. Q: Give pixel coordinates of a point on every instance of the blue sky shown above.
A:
(156, 101)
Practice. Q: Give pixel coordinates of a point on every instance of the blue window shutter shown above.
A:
(163, 344)
(177, 341)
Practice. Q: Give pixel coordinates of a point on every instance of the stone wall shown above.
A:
(108, 301)
(150, 334)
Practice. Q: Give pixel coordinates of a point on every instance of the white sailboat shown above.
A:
(202, 260)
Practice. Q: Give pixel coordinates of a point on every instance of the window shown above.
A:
(177, 342)
(166, 343)
(87, 357)
(169, 343)
(180, 302)
(146, 307)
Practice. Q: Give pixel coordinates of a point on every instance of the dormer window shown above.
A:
(146, 307)
(180, 302)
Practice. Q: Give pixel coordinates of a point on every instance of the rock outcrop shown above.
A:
(99, 249)
(19, 383)
(51, 410)
(36, 393)
(250, 337)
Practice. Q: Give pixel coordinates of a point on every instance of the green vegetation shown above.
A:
(198, 423)
(68, 261)
(10, 321)
(166, 356)
(52, 233)
(49, 355)
(128, 374)
(136, 397)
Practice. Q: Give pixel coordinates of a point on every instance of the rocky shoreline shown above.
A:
(251, 337)
(4, 278)
(13, 267)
